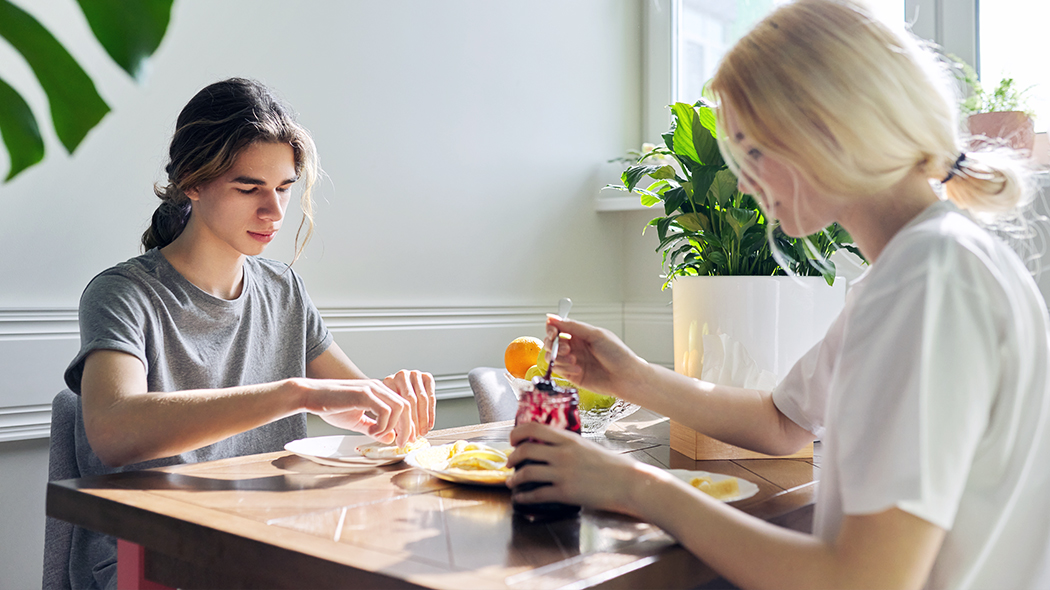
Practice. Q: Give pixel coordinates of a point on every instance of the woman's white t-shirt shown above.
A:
(930, 394)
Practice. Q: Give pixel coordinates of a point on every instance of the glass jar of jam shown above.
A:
(548, 403)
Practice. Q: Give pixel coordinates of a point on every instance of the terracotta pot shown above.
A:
(1014, 127)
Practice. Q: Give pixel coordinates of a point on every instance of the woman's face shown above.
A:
(243, 209)
(782, 190)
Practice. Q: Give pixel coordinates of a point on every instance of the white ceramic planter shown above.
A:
(776, 319)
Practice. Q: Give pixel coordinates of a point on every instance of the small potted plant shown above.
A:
(1002, 113)
(730, 292)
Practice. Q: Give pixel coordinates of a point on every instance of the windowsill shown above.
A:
(622, 202)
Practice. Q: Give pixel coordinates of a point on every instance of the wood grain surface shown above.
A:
(277, 520)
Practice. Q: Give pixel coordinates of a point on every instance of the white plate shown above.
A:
(426, 459)
(747, 488)
(336, 450)
(378, 450)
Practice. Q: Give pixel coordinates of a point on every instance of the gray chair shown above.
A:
(494, 395)
(61, 464)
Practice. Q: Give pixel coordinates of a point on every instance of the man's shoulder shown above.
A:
(272, 275)
(132, 275)
(269, 266)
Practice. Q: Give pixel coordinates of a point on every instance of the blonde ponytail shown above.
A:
(992, 183)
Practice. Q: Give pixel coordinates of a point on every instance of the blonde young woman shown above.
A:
(201, 349)
(929, 392)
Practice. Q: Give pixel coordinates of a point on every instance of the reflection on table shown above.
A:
(278, 520)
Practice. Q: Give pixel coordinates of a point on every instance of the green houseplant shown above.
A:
(1000, 113)
(710, 228)
(1006, 96)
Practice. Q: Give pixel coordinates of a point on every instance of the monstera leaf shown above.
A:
(129, 32)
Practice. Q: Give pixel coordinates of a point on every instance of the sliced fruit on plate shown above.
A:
(379, 450)
(478, 460)
(720, 490)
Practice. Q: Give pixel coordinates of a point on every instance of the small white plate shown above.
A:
(336, 450)
(426, 459)
(747, 488)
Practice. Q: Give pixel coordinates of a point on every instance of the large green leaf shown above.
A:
(683, 131)
(633, 175)
(19, 130)
(76, 106)
(669, 136)
(706, 117)
(704, 143)
(659, 187)
(696, 221)
(703, 177)
(754, 240)
(717, 258)
(740, 220)
(129, 31)
(649, 200)
(663, 172)
(673, 199)
(723, 186)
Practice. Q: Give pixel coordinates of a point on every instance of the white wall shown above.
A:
(464, 142)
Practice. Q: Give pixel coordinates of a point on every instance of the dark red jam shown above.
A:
(548, 403)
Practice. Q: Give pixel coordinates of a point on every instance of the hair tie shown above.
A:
(956, 167)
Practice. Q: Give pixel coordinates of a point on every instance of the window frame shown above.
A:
(951, 24)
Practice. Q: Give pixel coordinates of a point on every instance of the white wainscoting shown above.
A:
(37, 344)
(35, 347)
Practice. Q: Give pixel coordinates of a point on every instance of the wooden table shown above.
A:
(276, 520)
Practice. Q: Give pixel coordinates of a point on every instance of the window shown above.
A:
(999, 39)
(706, 29)
(1011, 44)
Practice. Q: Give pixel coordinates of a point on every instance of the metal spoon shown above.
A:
(563, 312)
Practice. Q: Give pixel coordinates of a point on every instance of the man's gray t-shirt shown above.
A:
(189, 339)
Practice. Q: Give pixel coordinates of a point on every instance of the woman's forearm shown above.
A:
(743, 417)
(729, 540)
(891, 549)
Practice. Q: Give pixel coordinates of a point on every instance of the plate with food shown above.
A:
(352, 450)
(465, 462)
(720, 487)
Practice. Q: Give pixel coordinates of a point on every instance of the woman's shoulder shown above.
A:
(943, 235)
(946, 246)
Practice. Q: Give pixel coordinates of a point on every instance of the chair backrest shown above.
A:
(61, 464)
(493, 393)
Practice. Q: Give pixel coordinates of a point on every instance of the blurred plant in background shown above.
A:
(129, 31)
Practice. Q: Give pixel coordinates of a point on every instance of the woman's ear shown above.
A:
(194, 193)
